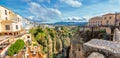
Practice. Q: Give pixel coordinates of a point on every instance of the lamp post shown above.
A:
(114, 26)
(115, 19)
(91, 31)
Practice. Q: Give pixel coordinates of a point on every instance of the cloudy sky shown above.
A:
(61, 10)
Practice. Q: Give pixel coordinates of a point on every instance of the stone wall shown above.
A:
(116, 37)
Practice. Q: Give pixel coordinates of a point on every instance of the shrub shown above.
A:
(16, 47)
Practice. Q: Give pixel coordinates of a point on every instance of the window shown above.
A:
(28, 36)
(105, 18)
(98, 22)
(9, 12)
(5, 12)
(110, 17)
(6, 18)
(101, 22)
(7, 27)
(107, 22)
(18, 19)
(16, 26)
(79, 49)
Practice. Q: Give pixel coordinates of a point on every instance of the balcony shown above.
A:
(8, 21)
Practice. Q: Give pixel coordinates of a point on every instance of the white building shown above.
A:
(10, 23)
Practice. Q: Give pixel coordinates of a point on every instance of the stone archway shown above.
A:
(10, 33)
(96, 55)
(105, 54)
(14, 34)
(89, 52)
(0, 34)
(6, 33)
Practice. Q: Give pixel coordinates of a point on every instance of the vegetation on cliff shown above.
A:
(52, 40)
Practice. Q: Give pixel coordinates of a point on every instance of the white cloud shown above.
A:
(30, 17)
(42, 13)
(48, 1)
(114, 1)
(73, 3)
(27, 0)
(88, 17)
(74, 19)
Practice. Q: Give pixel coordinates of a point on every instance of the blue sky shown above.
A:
(61, 10)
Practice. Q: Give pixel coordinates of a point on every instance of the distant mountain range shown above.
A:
(71, 23)
(64, 23)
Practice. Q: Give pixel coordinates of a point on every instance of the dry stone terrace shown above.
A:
(109, 48)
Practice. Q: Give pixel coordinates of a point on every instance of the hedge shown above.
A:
(16, 47)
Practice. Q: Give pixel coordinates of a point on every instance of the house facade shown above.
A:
(103, 22)
(10, 22)
(109, 19)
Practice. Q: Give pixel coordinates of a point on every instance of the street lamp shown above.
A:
(115, 19)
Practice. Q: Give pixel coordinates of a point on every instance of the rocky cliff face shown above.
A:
(50, 49)
(59, 45)
(76, 49)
